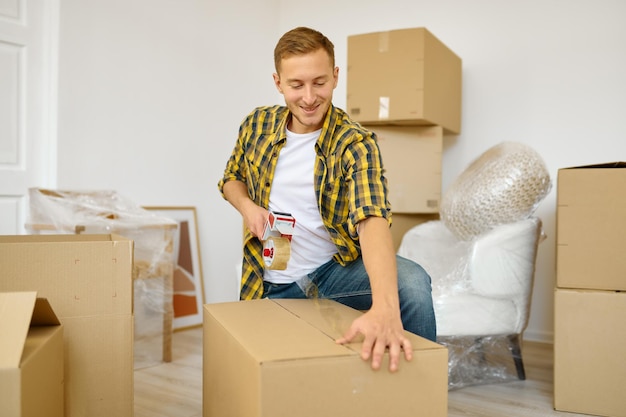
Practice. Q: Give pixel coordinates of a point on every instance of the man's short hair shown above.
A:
(301, 41)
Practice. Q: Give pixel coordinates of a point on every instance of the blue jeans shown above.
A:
(350, 285)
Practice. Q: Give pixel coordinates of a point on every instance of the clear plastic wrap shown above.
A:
(503, 185)
(481, 361)
(105, 212)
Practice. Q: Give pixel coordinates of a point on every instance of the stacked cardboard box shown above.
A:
(405, 85)
(87, 279)
(404, 77)
(590, 295)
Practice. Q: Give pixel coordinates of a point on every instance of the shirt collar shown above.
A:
(325, 141)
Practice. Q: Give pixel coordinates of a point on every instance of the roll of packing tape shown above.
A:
(276, 252)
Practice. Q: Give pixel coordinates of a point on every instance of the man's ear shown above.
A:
(277, 82)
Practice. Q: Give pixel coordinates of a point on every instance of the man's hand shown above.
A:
(254, 217)
(381, 330)
(381, 326)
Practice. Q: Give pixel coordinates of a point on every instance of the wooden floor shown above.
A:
(175, 389)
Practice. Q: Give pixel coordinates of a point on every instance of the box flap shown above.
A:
(16, 310)
(333, 319)
(288, 329)
(272, 333)
(43, 315)
(61, 238)
(618, 164)
(330, 318)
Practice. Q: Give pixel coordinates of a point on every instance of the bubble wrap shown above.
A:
(505, 184)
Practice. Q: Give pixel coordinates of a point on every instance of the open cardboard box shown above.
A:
(273, 358)
(31, 357)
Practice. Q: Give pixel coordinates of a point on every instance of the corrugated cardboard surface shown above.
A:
(591, 227)
(590, 352)
(412, 157)
(273, 358)
(88, 280)
(404, 76)
(403, 222)
(31, 357)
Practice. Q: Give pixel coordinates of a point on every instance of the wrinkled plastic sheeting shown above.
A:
(106, 212)
(505, 184)
(479, 360)
(497, 263)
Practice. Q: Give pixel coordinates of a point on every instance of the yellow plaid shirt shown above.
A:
(349, 181)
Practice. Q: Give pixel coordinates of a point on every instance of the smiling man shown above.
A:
(309, 159)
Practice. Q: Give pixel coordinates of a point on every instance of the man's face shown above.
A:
(307, 83)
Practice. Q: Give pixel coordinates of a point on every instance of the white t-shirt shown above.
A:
(293, 192)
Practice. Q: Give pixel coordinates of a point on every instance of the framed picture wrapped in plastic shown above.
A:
(188, 285)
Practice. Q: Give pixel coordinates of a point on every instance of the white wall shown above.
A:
(151, 93)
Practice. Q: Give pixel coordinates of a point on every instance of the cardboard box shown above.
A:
(404, 76)
(275, 358)
(412, 157)
(589, 352)
(88, 280)
(31, 357)
(591, 227)
(402, 223)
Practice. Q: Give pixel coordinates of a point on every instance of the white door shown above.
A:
(28, 34)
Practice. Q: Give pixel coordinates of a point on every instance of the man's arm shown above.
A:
(254, 216)
(381, 326)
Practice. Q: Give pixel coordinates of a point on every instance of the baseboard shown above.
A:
(539, 336)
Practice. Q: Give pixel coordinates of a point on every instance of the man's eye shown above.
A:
(296, 86)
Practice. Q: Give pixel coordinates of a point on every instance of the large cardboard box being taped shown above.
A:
(31, 357)
(88, 280)
(278, 358)
(412, 157)
(591, 227)
(404, 76)
(589, 352)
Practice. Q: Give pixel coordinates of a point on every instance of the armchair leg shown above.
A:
(480, 347)
(516, 351)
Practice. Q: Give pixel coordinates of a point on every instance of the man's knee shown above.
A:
(411, 273)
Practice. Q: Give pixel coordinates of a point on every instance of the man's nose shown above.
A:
(308, 95)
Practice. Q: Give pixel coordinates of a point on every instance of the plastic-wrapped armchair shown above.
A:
(481, 292)
(481, 258)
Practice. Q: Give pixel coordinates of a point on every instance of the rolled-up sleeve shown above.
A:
(235, 166)
(367, 183)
